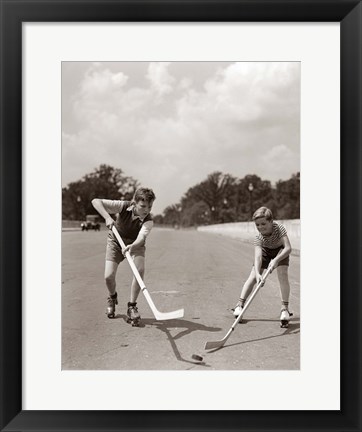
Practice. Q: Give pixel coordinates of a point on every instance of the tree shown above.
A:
(246, 201)
(195, 214)
(222, 198)
(104, 182)
(288, 198)
(216, 191)
(172, 215)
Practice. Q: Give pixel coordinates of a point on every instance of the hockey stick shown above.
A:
(158, 315)
(220, 343)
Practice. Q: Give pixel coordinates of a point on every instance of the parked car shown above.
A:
(91, 223)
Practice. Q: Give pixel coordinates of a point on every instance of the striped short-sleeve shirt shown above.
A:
(274, 240)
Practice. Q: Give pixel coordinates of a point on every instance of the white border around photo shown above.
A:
(317, 385)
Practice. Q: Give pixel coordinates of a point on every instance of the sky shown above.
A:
(171, 124)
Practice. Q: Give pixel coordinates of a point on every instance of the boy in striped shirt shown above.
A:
(272, 250)
(134, 223)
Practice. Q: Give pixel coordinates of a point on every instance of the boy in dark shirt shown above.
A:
(134, 223)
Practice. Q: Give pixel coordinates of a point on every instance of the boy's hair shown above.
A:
(263, 212)
(144, 193)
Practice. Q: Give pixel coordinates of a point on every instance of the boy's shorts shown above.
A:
(114, 250)
(269, 254)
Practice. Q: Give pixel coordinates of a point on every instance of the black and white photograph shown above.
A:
(180, 196)
(181, 227)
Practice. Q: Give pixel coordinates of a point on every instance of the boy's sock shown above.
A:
(242, 302)
(285, 305)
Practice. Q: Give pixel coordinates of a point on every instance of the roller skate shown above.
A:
(111, 305)
(237, 309)
(133, 317)
(284, 318)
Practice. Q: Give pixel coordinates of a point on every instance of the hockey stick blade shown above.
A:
(218, 344)
(163, 316)
(160, 316)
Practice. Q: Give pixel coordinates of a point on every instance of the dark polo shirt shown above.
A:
(128, 224)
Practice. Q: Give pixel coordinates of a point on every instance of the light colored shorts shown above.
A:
(114, 250)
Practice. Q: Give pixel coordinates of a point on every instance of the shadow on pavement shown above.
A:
(174, 323)
(294, 328)
(293, 321)
(188, 325)
(165, 327)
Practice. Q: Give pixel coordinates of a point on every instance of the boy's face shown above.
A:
(264, 226)
(143, 207)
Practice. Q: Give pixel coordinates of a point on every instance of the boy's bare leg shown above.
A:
(284, 284)
(248, 285)
(285, 293)
(135, 288)
(110, 276)
(245, 291)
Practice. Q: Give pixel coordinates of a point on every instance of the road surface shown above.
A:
(200, 272)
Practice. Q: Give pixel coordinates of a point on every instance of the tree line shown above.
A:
(220, 198)
(103, 182)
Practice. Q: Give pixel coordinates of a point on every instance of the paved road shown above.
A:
(202, 273)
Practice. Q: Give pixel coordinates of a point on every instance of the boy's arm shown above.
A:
(99, 205)
(258, 256)
(141, 238)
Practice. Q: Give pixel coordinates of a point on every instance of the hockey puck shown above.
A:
(196, 357)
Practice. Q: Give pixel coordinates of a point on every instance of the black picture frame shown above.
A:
(13, 14)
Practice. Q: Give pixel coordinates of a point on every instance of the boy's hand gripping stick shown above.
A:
(158, 315)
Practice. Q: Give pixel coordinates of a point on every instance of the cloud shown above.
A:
(101, 82)
(160, 79)
(170, 135)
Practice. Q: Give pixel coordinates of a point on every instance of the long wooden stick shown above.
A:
(220, 343)
(158, 315)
